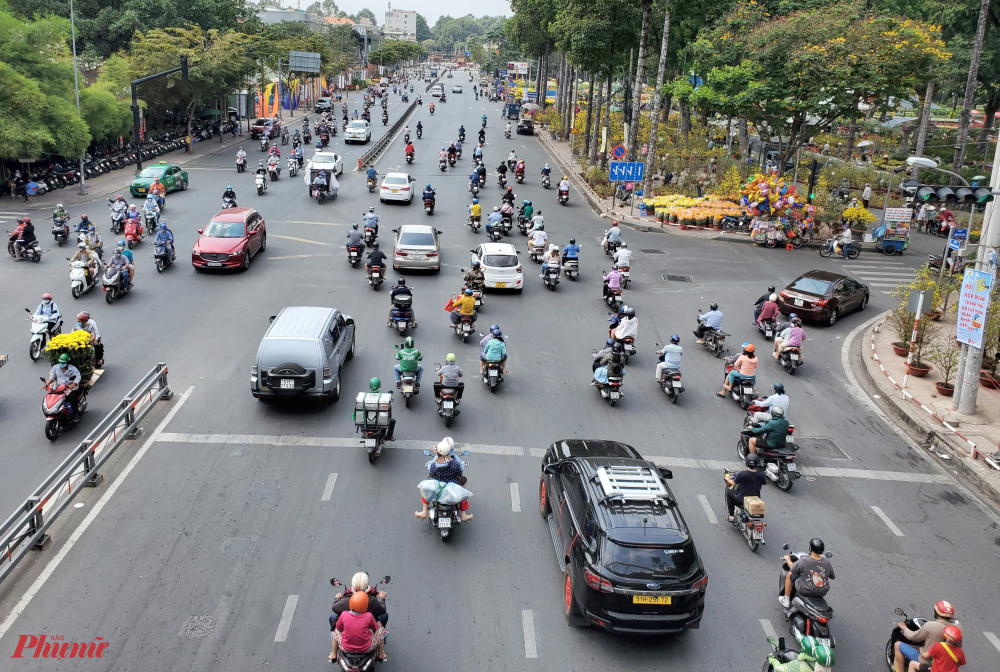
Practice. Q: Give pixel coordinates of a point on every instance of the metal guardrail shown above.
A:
(25, 529)
(376, 150)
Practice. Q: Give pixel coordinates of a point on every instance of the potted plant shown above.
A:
(901, 324)
(946, 357)
(859, 218)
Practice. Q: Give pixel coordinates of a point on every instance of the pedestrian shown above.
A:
(866, 195)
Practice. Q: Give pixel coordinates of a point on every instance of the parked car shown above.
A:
(173, 178)
(271, 128)
(302, 353)
(416, 246)
(627, 559)
(396, 187)
(230, 240)
(501, 266)
(358, 131)
(822, 296)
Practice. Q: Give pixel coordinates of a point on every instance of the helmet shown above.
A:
(770, 289)
(229, 187)
(525, 201)
(475, 201)
(91, 228)
(943, 608)
(372, 207)
(119, 249)
(713, 306)
(773, 297)
(952, 633)
(84, 218)
(375, 245)
(494, 327)
(121, 243)
(496, 209)
(749, 348)
(429, 184)
(779, 388)
(816, 545)
(374, 384)
(450, 357)
(624, 244)
(475, 263)
(359, 602)
(442, 448)
(131, 207)
(64, 358)
(572, 241)
(614, 222)
(540, 226)
(822, 653)
(354, 226)
(510, 188)
(46, 297)
(163, 226)
(274, 144)
(468, 291)
(630, 312)
(777, 411)
(408, 342)
(617, 347)
(675, 339)
(81, 245)
(553, 248)
(149, 197)
(82, 317)
(751, 461)
(546, 165)
(120, 196)
(793, 316)
(359, 582)
(564, 177)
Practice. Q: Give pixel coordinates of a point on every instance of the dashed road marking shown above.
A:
(331, 481)
(885, 519)
(528, 624)
(302, 240)
(296, 256)
(301, 221)
(515, 498)
(768, 628)
(708, 509)
(994, 640)
(286, 618)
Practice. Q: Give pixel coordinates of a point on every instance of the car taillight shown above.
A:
(784, 294)
(400, 253)
(596, 582)
(518, 269)
(404, 189)
(821, 302)
(432, 254)
(701, 584)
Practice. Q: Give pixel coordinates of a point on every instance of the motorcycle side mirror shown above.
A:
(781, 643)
(466, 453)
(41, 379)
(784, 547)
(829, 554)
(334, 582)
(27, 311)
(898, 611)
(427, 452)
(386, 579)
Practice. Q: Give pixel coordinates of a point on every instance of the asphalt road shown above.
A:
(215, 552)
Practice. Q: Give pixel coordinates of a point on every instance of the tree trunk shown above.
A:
(640, 79)
(744, 140)
(544, 76)
(607, 121)
(852, 135)
(596, 130)
(590, 115)
(567, 100)
(906, 142)
(654, 114)
(573, 97)
(991, 107)
(970, 88)
(539, 94)
(925, 118)
(560, 83)
(665, 106)
(684, 122)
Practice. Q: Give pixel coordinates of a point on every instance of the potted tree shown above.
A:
(945, 355)
(901, 324)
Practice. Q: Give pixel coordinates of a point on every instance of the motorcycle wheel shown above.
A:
(52, 429)
(796, 243)
(890, 652)
(36, 257)
(406, 400)
(825, 251)
(770, 242)
(60, 240)
(130, 244)
(35, 350)
(742, 447)
(790, 368)
(76, 291)
(753, 544)
(159, 265)
(373, 456)
(784, 482)
(109, 296)
(673, 396)
(854, 253)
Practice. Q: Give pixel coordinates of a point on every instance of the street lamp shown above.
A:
(924, 162)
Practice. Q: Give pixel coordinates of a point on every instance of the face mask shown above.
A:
(63, 365)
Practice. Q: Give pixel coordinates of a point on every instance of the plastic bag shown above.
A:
(446, 493)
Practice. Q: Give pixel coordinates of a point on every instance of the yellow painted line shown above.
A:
(302, 240)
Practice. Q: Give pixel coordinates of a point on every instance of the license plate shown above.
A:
(141, 191)
(215, 263)
(395, 191)
(676, 383)
(747, 390)
(650, 599)
(287, 384)
(401, 325)
(449, 404)
(615, 395)
(791, 467)
(369, 443)
(501, 284)
(794, 358)
(376, 274)
(407, 388)
(493, 373)
(444, 522)
(758, 534)
(624, 274)
(823, 640)
(798, 302)
(768, 332)
(417, 257)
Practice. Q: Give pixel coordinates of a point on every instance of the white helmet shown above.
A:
(624, 245)
(553, 248)
(59, 206)
(359, 582)
(443, 449)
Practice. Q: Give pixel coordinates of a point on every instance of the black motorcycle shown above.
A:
(357, 662)
(808, 615)
(162, 257)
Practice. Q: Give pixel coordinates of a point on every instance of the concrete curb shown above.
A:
(937, 441)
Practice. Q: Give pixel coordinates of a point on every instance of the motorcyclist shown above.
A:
(791, 336)
(119, 260)
(151, 208)
(461, 133)
(495, 219)
(546, 171)
(760, 302)
(448, 376)
(297, 154)
(537, 220)
(672, 353)
(929, 634)
(88, 324)
(744, 484)
(274, 151)
(357, 631)
(463, 306)
(519, 168)
(600, 355)
(296, 140)
(774, 431)
(158, 191)
(375, 258)
(768, 310)
(165, 237)
(319, 180)
(502, 169)
(133, 213)
(274, 163)
(482, 136)
(779, 398)
(475, 210)
(25, 238)
(506, 130)
(261, 170)
(355, 238)
(452, 151)
(712, 320)
(420, 129)
(88, 256)
(127, 253)
(614, 235)
(564, 184)
(409, 149)
(613, 280)
(409, 360)
(537, 237)
(474, 179)
(446, 468)
(49, 310)
(624, 325)
(610, 364)
(494, 350)
(371, 219)
(64, 373)
(484, 120)
(376, 600)
(399, 292)
(571, 251)
(809, 576)
(60, 212)
(477, 152)
(512, 157)
(372, 174)
(443, 155)
(844, 241)
(481, 169)
(474, 277)
(508, 196)
(744, 368)
(241, 155)
(120, 207)
(551, 259)
(84, 224)
(946, 656)
(526, 211)
(623, 257)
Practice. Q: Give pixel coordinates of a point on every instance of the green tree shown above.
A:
(365, 14)
(107, 116)
(423, 30)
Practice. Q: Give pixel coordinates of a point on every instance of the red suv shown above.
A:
(230, 240)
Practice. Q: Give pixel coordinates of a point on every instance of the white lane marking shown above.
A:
(768, 628)
(286, 618)
(299, 221)
(515, 498)
(297, 256)
(517, 451)
(302, 240)
(885, 519)
(528, 624)
(708, 509)
(994, 640)
(328, 490)
(75, 537)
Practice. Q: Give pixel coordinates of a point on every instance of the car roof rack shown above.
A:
(631, 482)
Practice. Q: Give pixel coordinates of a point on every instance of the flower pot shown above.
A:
(986, 380)
(934, 315)
(945, 389)
(901, 349)
(918, 370)
(682, 227)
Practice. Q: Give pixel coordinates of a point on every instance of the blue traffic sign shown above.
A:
(503, 73)
(626, 171)
(618, 151)
(960, 234)
(954, 243)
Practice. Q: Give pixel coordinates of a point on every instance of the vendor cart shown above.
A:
(891, 239)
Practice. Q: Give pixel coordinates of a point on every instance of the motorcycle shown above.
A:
(506, 220)
(611, 391)
(743, 391)
(80, 281)
(284, 136)
(715, 339)
(571, 267)
(829, 248)
(429, 206)
(375, 277)
(442, 164)
(475, 222)
(409, 157)
(263, 143)
(57, 411)
(624, 270)
(493, 374)
(324, 138)
(402, 305)
(495, 232)
(474, 188)
(464, 327)
(133, 233)
(535, 252)
(31, 251)
(260, 183)
(150, 222)
(957, 266)
(161, 256)
(406, 138)
(370, 236)
(117, 219)
(114, 284)
(781, 657)
(420, 132)
(357, 662)
(354, 255)
(372, 183)
(446, 517)
(372, 416)
(546, 181)
(670, 382)
(611, 247)
(614, 299)
(810, 616)
(272, 172)
(60, 229)
(563, 196)
(791, 359)
(767, 329)
(551, 278)
(778, 465)
(519, 176)
(484, 123)
(897, 635)
(42, 329)
(749, 520)
(448, 401)
(431, 108)
(306, 136)
(293, 166)
(506, 133)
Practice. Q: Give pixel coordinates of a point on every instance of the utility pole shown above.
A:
(76, 85)
(136, 140)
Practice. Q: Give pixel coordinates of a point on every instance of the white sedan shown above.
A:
(501, 267)
(457, 88)
(325, 161)
(396, 187)
(357, 131)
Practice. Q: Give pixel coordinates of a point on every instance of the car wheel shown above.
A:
(263, 242)
(350, 353)
(543, 498)
(335, 394)
(184, 185)
(246, 259)
(833, 317)
(570, 608)
(864, 303)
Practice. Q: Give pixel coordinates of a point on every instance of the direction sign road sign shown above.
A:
(960, 234)
(625, 171)
(954, 243)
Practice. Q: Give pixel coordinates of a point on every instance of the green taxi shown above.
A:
(171, 177)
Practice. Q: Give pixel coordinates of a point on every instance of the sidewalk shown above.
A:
(117, 181)
(966, 444)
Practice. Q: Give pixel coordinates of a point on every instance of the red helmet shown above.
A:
(943, 608)
(510, 188)
(83, 317)
(26, 220)
(119, 196)
(953, 635)
(46, 295)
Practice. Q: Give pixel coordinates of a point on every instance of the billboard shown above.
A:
(517, 68)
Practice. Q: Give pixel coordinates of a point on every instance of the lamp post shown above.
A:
(924, 162)
(76, 85)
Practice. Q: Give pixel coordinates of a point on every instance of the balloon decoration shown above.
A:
(778, 215)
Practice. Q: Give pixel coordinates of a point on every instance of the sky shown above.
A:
(430, 9)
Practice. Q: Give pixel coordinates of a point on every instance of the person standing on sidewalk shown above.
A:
(866, 195)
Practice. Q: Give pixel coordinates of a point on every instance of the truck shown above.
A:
(513, 111)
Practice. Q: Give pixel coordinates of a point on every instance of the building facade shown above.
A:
(401, 24)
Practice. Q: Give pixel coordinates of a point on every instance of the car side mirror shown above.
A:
(350, 321)
(201, 231)
(271, 319)
(665, 473)
(551, 469)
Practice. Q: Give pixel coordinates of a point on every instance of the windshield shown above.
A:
(395, 180)
(414, 238)
(648, 562)
(260, 122)
(153, 172)
(811, 286)
(358, 124)
(224, 230)
(500, 260)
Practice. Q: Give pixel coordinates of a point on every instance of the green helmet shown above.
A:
(450, 357)
(64, 358)
(408, 342)
(375, 384)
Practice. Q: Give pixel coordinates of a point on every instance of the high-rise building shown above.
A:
(401, 24)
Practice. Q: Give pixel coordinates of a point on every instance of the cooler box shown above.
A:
(372, 409)
(754, 506)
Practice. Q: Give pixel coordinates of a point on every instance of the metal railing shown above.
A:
(25, 529)
(373, 152)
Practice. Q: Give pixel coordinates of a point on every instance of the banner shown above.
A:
(517, 68)
(973, 306)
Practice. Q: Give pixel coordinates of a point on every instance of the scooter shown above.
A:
(809, 616)
(551, 278)
(519, 176)
(791, 359)
(408, 384)
(42, 329)
(624, 270)
(372, 183)
(464, 327)
(495, 232)
(749, 520)
(613, 298)
(420, 132)
(60, 229)
(897, 635)
(670, 381)
(57, 410)
(830, 247)
(493, 374)
(611, 391)
(161, 256)
(442, 164)
(502, 179)
(447, 404)
(714, 339)
(117, 219)
(475, 222)
(409, 157)
(114, 284)
(777, 465)
(402, 305)
(571, 267)
(767, 329)
(273, 173)
(293, 166)
(260, 183)
(780, 657)
(375, 277)
(80, 282)
(743, 391)
(241, 165)
(263, 143)
(429, 206)
(611, 247)
(546, 181)
(563, 196)
(357, 662)
(506, 132)
(354, 255)
(133, 233)
(445, 517)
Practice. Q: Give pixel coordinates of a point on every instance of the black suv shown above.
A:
(525, 126)
(628, 562)
(323, 105)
